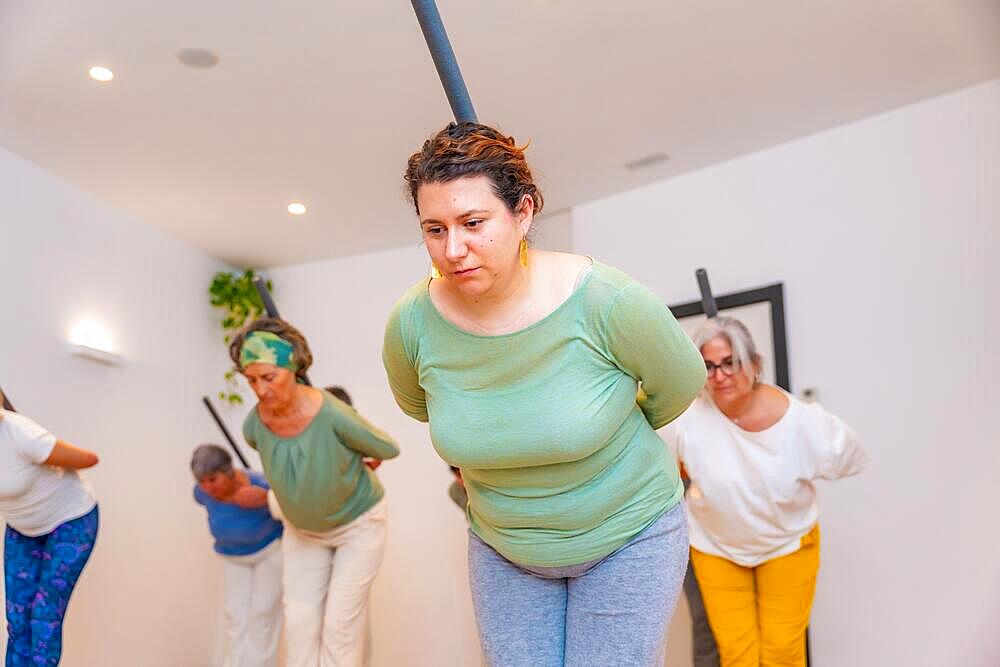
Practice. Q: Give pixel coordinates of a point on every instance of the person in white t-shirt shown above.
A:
(52, 519)
(752, 452)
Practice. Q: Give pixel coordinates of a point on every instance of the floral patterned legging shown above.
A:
(39, 576)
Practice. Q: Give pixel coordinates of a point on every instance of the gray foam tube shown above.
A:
(707, 300)
(7, 405)
(444, 60)
(225, 431)
(265, 297)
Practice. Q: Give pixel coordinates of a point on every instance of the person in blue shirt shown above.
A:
(248, 539)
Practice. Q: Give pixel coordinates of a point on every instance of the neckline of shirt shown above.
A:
(323, 406)
(581, 284)
(773, 427)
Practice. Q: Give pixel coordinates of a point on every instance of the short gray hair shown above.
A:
(209, 460)
(735, 333)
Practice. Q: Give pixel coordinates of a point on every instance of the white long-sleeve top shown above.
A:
(752, 496)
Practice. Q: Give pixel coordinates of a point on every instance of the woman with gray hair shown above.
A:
(752, 452)
(248, 539)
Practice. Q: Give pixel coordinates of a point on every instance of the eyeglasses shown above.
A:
(728, 367)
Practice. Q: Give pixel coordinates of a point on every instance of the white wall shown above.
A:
(151, 594)
(553, 231)
(884, 233)
(421, 609)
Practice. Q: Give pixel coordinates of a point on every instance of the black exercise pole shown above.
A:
(272, 311)
(7, 405)
(225, 431)
(444, 60)
(265, 297)
(707, 300)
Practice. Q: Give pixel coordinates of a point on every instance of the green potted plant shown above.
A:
(236, 295)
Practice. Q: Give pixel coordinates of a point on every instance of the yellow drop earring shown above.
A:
(524, 252)
(435, 273)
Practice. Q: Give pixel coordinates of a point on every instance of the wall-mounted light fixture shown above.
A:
(90, 339)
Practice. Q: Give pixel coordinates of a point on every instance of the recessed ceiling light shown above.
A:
(295, 208)
(102, 74)
(200, 58)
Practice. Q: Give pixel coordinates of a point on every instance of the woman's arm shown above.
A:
(250, 497)
(648, 344)
(70, 456)
(362, 436)
(399, 368)
(840, 451)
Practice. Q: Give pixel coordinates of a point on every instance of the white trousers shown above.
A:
(253, 607)
(328, 577)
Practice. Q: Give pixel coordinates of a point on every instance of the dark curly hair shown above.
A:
(473, 149)
(302, 355)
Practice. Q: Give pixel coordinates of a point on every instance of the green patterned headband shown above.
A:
(267, 348)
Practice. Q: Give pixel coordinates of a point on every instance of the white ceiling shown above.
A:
(323, 101)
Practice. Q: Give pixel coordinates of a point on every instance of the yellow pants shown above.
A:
(759, 615)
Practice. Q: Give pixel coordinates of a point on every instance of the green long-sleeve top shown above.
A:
(559, 456)
(318, 475)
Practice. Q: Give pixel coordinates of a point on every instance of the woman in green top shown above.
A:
(543, 376)
(312, 446)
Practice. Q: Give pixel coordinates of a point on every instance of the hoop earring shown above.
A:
(523, 251)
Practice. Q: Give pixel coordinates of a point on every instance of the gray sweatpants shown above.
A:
(612, 611)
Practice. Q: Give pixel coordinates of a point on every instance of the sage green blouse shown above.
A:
(555, 440)
(318, 475)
